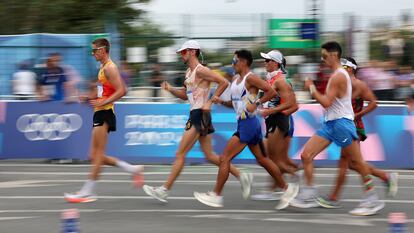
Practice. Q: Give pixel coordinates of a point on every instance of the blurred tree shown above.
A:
(67, 16)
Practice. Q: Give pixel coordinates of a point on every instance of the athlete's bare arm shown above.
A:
(254, 82)
(177, 92)
(210, 76)
(336, 88)
(287, 95)
(366, 95)
(114, 78)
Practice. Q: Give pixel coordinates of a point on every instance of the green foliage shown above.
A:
(67, 16)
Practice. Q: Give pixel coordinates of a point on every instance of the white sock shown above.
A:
(126, 166)
(88, 187)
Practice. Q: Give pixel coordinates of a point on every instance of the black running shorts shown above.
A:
(201, 120)
(102, 116)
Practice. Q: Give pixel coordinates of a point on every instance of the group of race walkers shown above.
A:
(251, 97)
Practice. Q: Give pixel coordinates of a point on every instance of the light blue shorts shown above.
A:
(340, 131)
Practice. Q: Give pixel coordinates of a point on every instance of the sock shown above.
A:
(164, 188)
(126, 166)
(368, 184)
(88, 187)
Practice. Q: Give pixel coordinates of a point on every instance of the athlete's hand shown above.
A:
(216, 99)
(96, 103)
(251, 107)
(166, 86)
(265, 112)
(308, 83)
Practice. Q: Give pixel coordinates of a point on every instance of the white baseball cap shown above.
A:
(276, 56)
(189, 44)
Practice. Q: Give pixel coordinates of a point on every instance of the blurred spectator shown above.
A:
(156, 79)
(381, 81)
(52, 80)
(404, 81)
(126, 74)
(395, 47)
(24, 82)
(73, 78)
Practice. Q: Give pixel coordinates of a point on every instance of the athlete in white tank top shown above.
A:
(240, 97)
(196, 95)
(341, 107)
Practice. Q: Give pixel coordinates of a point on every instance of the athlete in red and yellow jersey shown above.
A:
(110, 88)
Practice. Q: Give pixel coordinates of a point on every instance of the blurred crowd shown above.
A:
(53, 80)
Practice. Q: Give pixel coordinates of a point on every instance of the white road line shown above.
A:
(16, 218)
(176, 198)
(258, 174)
(36, 183)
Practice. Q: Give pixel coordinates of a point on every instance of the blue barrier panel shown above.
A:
(152, 132)
(46, 130)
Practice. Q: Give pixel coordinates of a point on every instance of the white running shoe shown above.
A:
(246, 180)
(209, 198)
(392, 184)
(290, 194)
(79, 197)
(158, 193)
(305, 198)
(267, 196)
(368, 208)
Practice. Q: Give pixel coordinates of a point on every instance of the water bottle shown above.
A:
(70, 221)
(397, 223)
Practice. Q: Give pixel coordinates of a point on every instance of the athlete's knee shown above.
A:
(306, 157)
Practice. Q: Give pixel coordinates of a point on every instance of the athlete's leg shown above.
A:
(188, 140)
(341, 175)
(268, 164)
(312, 148)
(285, 153)
(97, 151)
(206, 147)
(233, 148)
(359, 164)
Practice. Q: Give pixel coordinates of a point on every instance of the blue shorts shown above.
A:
(340, 131)
(249, 131)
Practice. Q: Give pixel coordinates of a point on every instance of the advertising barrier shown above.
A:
(150, 133)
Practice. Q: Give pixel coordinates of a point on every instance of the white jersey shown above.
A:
(341, 107)
(197, 96)
(240, 97)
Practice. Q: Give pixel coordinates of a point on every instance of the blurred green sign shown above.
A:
(293, 33)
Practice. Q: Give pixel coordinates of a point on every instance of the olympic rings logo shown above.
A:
(50, 127)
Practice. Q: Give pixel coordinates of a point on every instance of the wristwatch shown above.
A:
(258, 103)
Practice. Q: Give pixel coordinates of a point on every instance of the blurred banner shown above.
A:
(150, 133)
(293, 33)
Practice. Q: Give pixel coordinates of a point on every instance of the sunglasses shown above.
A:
(96, 49)
(234, 61)
(183, 52)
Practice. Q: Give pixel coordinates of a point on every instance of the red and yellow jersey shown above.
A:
(105, 89)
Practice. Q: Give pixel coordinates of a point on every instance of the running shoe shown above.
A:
(267, 196)
(79, 197)
(370, 205)
(158, 193)
(209, 198)
(305, 198)
(290, 194)
(326, 202)
(392, 185)
(246, 180)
